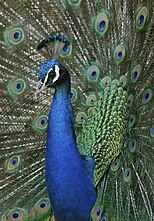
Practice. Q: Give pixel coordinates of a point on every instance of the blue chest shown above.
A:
(71, 192)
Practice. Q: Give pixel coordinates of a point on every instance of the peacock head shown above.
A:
(51, 74)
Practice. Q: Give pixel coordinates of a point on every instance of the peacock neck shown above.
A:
(62, 92)
(61, 112)
(60, 124)
(66, 175)
(61, 141)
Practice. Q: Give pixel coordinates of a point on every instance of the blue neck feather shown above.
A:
(70, 189)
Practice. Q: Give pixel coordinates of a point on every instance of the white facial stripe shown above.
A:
(49, 70)
(57, 73)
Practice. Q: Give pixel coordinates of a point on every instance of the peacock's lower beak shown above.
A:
(40, 87)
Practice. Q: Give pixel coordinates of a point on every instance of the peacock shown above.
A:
(77, 110)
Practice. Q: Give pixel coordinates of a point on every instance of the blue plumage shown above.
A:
(69, 183)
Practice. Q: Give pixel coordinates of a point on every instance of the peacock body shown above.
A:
(93, 59)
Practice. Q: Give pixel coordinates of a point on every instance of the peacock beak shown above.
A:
(41, 86)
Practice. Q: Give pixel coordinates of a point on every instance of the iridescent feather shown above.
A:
(110, 61)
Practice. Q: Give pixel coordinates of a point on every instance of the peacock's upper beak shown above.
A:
(41, 85)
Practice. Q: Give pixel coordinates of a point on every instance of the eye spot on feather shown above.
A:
(14, 36)
(92, 74)
(101, 23)
(17, 214)
(132, 145)
(91, 100)
(13, 163)
(40, 123)
(96, 213)
(141, 18)
(80, 117)
(19, 86)
(127, 175)
(106, 81)
(43, 121)
(132, 120)
(147, 95)
(136, 73)
(73, 95)
(115, 165)
(119, 53)
(16, 87)
(123, 80)
(17, 35)
(130, 100)
(66, 51)
(42, 206)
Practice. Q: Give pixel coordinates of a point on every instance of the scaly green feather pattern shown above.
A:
(105, 128)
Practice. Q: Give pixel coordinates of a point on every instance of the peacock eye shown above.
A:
(52, 73)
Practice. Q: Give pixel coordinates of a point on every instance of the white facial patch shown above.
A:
(41, 86)
(57, 73)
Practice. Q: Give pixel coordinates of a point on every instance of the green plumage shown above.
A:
(110, 60)
(105, 128)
